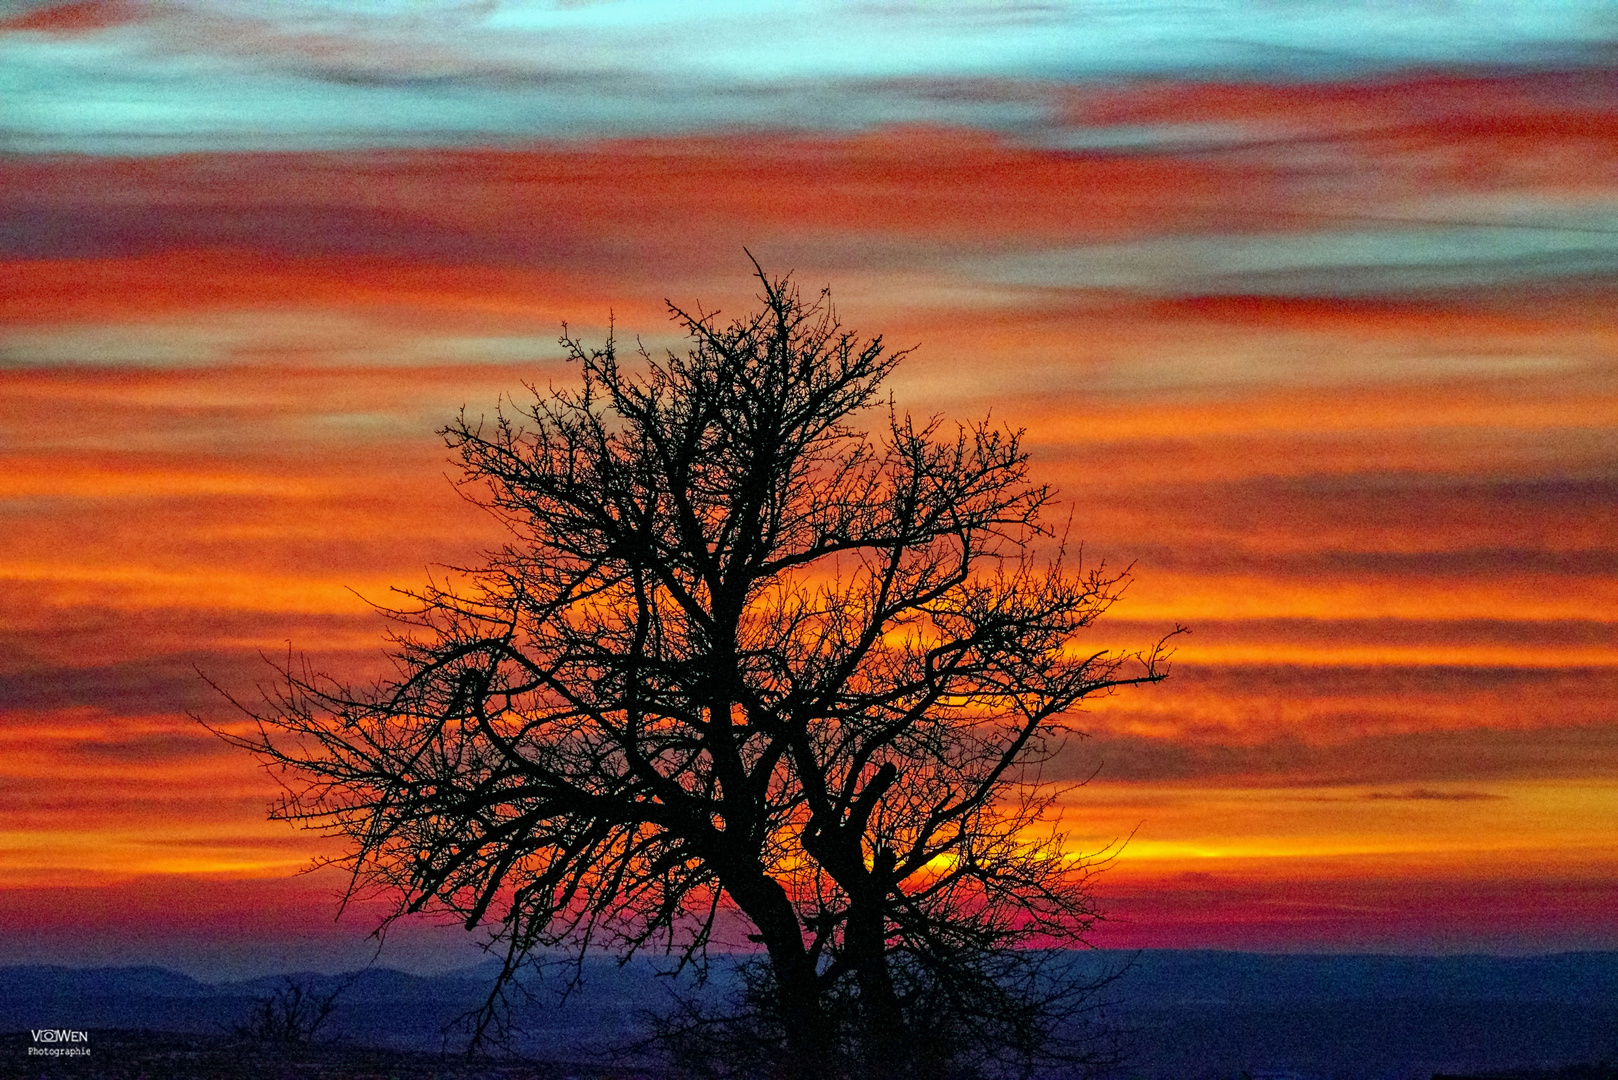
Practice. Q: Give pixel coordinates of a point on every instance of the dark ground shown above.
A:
(150, 1055)
(1182, 1016)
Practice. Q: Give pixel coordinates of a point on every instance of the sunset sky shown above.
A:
(1307, 308)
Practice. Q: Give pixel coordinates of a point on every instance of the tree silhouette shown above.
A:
(738, 656)
(292, 1013)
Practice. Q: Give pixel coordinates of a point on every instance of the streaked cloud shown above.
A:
(1431, 795)
(224, 74)
(1393, 261)
(1308, 317)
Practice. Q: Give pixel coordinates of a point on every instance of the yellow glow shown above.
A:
(1171, 596)
(131, 587)
(1575, 819)
(1283, 652)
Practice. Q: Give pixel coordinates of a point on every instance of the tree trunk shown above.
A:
(809, 1043)
(882, 1033)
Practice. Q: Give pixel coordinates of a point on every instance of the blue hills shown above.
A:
(1185, 1014)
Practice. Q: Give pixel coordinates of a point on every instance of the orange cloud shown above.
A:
(1388, 517)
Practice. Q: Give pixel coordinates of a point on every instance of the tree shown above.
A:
(738, 656)
(292, 1013)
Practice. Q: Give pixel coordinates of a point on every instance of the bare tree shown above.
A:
(292, 1013)
(740, 656)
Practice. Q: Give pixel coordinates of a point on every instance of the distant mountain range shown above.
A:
(1183, 1014)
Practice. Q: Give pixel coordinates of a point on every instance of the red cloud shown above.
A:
(76, 17)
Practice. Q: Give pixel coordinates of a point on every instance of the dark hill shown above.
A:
(1186, 1015)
